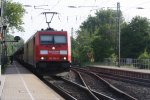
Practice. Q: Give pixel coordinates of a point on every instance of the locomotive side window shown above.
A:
(60, 39)
(46, 39)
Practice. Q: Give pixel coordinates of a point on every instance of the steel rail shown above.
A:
(60, 91)
(117, 91)
(66, 94)
(83, 82)
(132, 80)
(129, 97)
(97, 94)
(81, 87)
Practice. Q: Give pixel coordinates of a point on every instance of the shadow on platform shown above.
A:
(16, 68)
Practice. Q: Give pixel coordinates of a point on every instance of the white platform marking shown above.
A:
(24, 83)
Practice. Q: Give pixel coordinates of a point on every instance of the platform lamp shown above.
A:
(16, 38)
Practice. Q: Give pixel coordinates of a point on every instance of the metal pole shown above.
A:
(72, 32)
(4, 45)
(0, 33)
(118, 21)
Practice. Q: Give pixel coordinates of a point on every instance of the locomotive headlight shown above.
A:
(53, 48)
(65, 58)
(42, 58)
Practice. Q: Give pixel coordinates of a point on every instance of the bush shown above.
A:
(144, 60)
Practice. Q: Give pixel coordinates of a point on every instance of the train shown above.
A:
(47, 52)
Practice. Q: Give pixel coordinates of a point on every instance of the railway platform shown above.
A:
(125, 71)
(125, 68)
(20, 84)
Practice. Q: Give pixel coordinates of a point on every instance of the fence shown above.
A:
(128, 62)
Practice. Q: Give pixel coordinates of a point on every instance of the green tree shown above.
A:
(13, 46)
(144, 55)
(13, 14)
(98, 35)
(135, 37)
(144, 60)
(75, 54)
(83, 46)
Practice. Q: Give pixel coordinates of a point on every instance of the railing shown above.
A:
(128, 62)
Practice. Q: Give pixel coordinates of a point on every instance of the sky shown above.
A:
(71, 18)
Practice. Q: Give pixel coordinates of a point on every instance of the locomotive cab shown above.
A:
(53, 52)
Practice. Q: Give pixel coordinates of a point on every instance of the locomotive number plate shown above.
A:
(54, 52)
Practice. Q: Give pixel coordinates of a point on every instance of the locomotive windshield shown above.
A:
(46, 39)
(59, 39)
(53, 39)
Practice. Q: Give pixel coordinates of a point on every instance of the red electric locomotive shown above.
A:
(48, 50)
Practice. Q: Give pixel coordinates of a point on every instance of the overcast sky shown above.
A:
(73, 17)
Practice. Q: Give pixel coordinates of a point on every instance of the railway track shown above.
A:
(136, 86)
(78, 87)
(131, 80)
(70, 90)
(98, 84)
(128, 79)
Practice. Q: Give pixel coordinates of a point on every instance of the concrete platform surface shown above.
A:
(2, 80)
(21, 84)
(126, 68)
